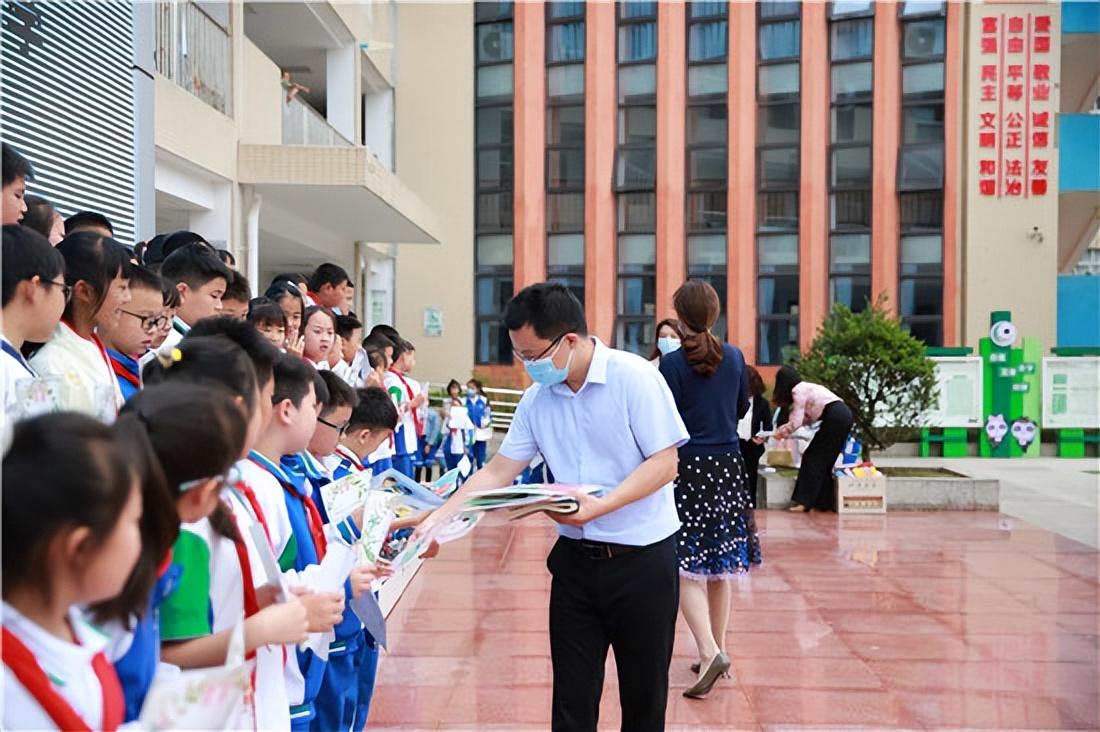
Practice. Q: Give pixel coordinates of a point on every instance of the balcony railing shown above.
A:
(303, 125)
(195, 51)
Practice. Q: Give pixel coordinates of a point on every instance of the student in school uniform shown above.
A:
(328, 287)
(268, 318)
(319, 332)
(95, 270)
(128, 340)
(171, 299)
(289, 298)
(200, 278)
(432, 440)
(17, 171)
(70, 519)
(405, 392)
(599, 417)
(481, 415)
(353, 359)
(34, 296)
(237, 294)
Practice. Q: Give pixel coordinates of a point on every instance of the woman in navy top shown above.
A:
(718, 540)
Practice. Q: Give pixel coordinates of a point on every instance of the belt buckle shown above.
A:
(606, 552)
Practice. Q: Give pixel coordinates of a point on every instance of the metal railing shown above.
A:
(502, 402)
(195, 52)
(303, 125)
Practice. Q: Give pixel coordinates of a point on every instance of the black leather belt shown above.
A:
(601, 550)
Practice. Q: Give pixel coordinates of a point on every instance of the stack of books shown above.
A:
(523, 500)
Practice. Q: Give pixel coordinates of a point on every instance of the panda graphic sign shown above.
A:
(1012, 393)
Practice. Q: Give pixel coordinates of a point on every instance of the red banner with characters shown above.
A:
(1015, 111)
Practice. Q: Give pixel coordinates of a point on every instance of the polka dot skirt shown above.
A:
(718, 539)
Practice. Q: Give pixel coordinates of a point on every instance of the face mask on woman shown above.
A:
(668, 344)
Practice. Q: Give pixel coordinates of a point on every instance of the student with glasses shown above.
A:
(601, 417)
(129, 339)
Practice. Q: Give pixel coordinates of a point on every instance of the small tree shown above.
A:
(879, 370)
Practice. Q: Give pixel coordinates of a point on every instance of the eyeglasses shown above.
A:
(545, 351)
(229, 477)
(66, 290)
(149, 323)
(341, 428)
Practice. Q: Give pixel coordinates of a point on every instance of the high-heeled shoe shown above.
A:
(718, 665)
(695, 670)
(797, 508)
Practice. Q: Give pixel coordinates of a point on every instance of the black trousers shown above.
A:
(628, 603)
(814, 486)
(751, 452)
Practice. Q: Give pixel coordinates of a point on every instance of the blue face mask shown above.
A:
(544, 372)
(471, 393)
(667, 345)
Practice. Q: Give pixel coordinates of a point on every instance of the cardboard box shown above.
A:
(861, 495)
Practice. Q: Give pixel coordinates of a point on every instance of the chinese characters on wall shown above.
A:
(1015, 112)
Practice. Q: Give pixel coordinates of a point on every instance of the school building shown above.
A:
(795, 155)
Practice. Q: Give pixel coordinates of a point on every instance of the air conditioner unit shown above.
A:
(920, 40)
(491, 46)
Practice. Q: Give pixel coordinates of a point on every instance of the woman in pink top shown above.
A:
(807, 403)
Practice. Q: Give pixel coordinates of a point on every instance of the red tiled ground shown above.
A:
(918, 620)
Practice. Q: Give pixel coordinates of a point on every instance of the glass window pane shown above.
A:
(929, 331)
(852, 292)
(920, 7)
(921, 255)
(845, 8)
(494, 81)
(849, 209)
(494, 251)
(921, 297)
(635, 337)
(779, 168)
(778, 123)
(637, 252)
(565, 81)
(849, 253)
(851, 80)
(493, 294)
(494, 167)
(776, 253)
(776, 9)
(921, 210)
(637, 42)
(774, 336)
(851, 39)
(574, 282)
(920, 167)
(780, 40)
(707, 41)
(493, 10)
(494, 42)
(564, 212)
(707, 210)
(560, 9)
(852, 167)
(493, 343)
(922, 80)
(707, 167)
(707, 79)
(637, 125)
(778, 81)
(494, 211)
(637, 83)
(638, 295)
(706, 252)
(707, 124)
(565, 42)
(852, 123)
(922, 123)
(494, 126)
(637, 211)
(706, 8)
(565, 168)
(923, 38)
(636, 168)
(777, 295)
(565, 125)
(565, 250)
(635, 9)
(776, 211)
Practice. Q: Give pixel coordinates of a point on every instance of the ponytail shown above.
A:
(697, 307)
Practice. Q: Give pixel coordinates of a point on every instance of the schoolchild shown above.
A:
(132, 337)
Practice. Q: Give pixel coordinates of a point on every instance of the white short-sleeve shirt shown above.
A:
(598, 435)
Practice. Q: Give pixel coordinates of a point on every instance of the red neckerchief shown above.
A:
(165, 564)
(351, 456)
(250, 495)
(316, 525)
(24, 666)
(409, 394)
(124, 372)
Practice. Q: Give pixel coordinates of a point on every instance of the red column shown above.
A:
(813, 230)
(952, 184)
(530, 143)
(741, 218)
(599, 139)
(671, 99)
(886, 138)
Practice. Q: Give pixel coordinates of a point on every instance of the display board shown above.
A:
(1071, 392)
(960, 404)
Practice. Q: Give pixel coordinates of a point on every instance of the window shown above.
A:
(851, 134)
(565, 150)
(778, 139)
(921, 170)
(635, 175)
(493, 179)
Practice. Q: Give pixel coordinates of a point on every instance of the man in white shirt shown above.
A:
(599, 417)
